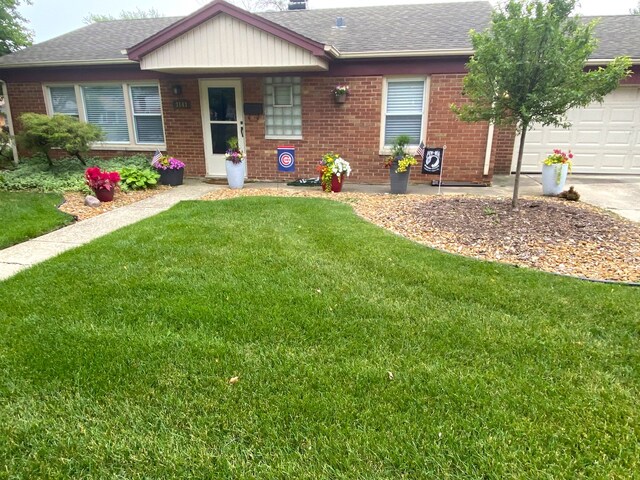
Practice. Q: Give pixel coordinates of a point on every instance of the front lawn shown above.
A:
(25, 215)
(358, 354)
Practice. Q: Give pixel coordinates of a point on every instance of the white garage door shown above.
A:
(605, 138)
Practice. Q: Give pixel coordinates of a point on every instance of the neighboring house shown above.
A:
(185, 85)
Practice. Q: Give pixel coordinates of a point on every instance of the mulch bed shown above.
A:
(547, 234)
(74, 202)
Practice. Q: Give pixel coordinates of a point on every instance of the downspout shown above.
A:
(487, 154)
(9, 121)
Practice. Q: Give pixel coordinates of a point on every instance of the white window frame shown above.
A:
(132, 144)
(134, 114)
(283, 105)
(385, 149)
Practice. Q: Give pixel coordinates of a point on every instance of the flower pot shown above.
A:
(104, 195)
(341, 98)
(235, 174)
(553, 178)
(336, 183)
(171, 176)
(399, 181)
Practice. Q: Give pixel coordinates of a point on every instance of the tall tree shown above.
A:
(14, 33)
(529, 67)
(635, 11)
(262, 5)
(124, 15)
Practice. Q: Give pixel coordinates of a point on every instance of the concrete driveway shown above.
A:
(618, 194)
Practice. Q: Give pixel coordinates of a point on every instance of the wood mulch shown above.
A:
(74, 202)
(547, 234)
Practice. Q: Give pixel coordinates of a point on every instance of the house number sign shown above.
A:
(181, 104)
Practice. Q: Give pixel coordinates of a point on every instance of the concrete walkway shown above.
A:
(620, 195)
(24, 255)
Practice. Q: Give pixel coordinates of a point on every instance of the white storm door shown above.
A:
(222, 119)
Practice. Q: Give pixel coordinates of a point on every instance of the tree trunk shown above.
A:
(516, 183)
(49, 158)
(79, 157)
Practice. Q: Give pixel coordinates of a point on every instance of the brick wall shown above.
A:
(503, 139)
(466, 142)
(351, 129)
(183, 127)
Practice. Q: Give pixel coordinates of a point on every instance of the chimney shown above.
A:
(297, 4)
(340, 22)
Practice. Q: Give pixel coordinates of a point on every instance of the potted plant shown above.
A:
(554, 171)
(235, 164)
(171, 169)
(340, 93)
(102, 183)
(332, 170)
(399, 164)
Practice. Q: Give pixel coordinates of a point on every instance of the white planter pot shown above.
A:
(235, 174)
(554, 178)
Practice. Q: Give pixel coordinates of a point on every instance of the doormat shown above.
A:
(221, 181)
(305, 182)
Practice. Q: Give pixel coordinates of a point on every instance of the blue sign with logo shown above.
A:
(287, 159)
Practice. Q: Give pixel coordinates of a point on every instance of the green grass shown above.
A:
(115, 357)
(25, 215)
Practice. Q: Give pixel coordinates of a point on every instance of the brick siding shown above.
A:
(351, 129)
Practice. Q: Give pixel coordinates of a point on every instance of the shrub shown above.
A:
(40, 133)
(66, 175)
(134, 178)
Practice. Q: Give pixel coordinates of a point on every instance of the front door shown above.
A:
(222, 119)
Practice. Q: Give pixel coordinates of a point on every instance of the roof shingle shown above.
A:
(401, 28)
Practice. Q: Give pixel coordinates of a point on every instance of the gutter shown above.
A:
(406, 53)
(9, 121)
(70, 63)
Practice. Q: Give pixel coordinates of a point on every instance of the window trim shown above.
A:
(134, 114)
(283, 105)
(385, 149)
(291, 84)
(132, 144)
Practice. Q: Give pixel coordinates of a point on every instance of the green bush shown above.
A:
(135, 178)
(41, 133)
(66, 175)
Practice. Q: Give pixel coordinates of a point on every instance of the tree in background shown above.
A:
(529, 67)
(262, 5)
(635, 11)
(14, 33)
(124, 15)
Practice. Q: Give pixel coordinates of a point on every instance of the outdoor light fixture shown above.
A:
(177, 89)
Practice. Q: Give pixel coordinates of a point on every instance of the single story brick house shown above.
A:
(185, 85)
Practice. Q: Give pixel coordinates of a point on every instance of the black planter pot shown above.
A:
(171, 177)
(399, 181)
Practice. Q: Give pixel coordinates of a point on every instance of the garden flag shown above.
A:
(432, 162)
(420, 151)
(287, 159)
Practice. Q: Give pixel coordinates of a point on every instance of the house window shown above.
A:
(104, 107)
(63, 101)
(283, 107)
(404, 110)
(129, 115)
(147, 114)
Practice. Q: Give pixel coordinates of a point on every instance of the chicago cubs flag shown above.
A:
(287, 159)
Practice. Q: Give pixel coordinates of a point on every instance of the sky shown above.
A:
(50, 18)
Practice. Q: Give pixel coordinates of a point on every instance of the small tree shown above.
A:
(41, 133)
(529, 67)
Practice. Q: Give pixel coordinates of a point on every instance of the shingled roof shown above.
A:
(437, 28)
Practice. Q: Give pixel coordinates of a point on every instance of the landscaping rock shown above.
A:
(91, 201)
